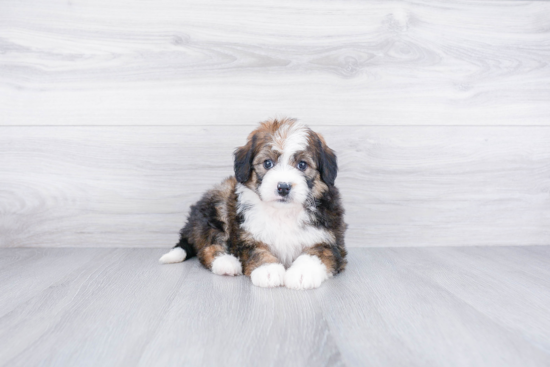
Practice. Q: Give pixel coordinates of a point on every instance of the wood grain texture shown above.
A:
(414, 307)
(276, 327)
(481, 289)
(402, 186)
(211, 62)
(403, 307)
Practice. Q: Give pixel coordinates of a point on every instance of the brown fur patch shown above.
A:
(272, 126)
(257, 256)
(319, 187)
(272, 133)
(331, 256)
(209, 253)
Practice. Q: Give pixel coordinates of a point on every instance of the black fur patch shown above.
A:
(243, 160)
(184, 244)
(327, 163)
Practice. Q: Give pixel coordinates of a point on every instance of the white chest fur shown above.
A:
(283, 227)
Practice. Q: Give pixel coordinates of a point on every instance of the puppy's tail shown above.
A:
(182, 251)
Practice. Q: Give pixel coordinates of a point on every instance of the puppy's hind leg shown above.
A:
(182, 251)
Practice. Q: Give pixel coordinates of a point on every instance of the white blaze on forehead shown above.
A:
(289, 139)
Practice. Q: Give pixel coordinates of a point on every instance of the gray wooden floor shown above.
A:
(453, 306)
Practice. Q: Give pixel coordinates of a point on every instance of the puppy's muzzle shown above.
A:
(283, 189)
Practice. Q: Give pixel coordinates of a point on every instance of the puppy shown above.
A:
(279, 220)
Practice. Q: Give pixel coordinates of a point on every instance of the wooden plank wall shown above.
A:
(116, 115)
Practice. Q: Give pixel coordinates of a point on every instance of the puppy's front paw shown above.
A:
(268, 275)
(307, 272)
(227, 265)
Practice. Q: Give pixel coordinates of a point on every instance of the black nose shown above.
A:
(283, 188)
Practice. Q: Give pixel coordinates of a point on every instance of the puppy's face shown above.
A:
(285, 162)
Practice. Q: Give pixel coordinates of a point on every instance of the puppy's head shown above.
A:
(285, 162)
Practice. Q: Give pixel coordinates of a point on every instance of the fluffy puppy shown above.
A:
(279, 220)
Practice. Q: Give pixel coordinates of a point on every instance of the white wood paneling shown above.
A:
(402, 185)
(215, 62)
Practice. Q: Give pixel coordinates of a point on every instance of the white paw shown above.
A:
(227, 265)
(307, 272)
(176, 255)
(268, 275)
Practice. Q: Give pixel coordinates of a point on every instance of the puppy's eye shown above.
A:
(268, 164)
(302, 166)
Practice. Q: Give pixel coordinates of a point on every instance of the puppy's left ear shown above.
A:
(326, 162)
(243, 160)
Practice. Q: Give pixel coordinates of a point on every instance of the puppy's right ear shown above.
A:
(243, 160)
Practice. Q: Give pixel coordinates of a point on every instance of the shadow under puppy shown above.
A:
(279, 220)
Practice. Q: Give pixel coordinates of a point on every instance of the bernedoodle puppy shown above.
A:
(279, 220)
